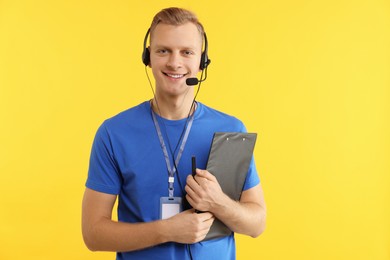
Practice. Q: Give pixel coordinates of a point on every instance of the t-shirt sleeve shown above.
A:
(252, 178)
(103, 174)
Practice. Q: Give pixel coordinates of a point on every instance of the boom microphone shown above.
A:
(196, 81)
(193, 81)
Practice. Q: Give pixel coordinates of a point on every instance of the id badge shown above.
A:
(169, 206)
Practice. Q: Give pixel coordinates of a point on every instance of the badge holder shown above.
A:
(169, 206)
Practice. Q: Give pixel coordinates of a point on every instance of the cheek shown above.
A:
(155, 59)
(156, 62)
(195, 66)
(155, 71)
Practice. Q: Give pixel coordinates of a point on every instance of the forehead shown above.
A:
(185, 35)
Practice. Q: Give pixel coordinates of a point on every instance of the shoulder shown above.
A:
(130, 118)
(139, 113)
(214, 116)
(134, 119)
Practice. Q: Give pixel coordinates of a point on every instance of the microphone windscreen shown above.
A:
(192, 81)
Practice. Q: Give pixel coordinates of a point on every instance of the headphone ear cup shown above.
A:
(145, 52)
(204, 61)
(146, 56)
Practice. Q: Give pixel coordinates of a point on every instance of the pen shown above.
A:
(193, 175)
(193, 166)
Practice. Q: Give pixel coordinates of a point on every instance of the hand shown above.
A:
(203, 191)
(189, 227)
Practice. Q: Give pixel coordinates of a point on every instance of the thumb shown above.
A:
(205, 174)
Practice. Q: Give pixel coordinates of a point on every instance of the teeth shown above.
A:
(176, 76)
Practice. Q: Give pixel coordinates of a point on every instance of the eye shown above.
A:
(162, 51)
(188, 52)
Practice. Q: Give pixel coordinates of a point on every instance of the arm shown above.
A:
(101, 233)
(246, 216)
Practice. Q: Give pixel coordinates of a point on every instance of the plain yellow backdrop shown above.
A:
(311, 77)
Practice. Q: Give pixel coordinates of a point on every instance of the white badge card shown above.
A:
(169, 207)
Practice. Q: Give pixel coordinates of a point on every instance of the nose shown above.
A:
(174, 61)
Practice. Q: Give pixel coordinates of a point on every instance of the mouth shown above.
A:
(174, 76)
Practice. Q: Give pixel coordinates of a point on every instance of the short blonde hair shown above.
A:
(176, 16)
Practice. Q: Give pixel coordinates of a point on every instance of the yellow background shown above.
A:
(311, 77)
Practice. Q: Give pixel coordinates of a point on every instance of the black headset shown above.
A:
(204, 59)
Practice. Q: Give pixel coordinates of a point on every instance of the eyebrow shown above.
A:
(160, 46)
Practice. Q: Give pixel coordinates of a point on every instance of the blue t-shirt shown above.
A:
(127, 160)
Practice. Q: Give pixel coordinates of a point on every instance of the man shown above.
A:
(135, 158)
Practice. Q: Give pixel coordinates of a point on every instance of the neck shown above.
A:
(173, 108)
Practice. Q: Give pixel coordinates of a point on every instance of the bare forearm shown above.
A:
(246, 216)
(241, 217)
(186, 227)
(108, 235)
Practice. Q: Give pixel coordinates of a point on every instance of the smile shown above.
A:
(175, 76)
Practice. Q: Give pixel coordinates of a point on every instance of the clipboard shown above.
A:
(229, 159)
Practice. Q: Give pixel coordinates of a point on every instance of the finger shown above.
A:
(206, 216)
(190, 179)
(209, 221)
(191, 183)
(200, 172)
(205, 174)
(190, 201)
(191, 193)
(193, 187)
(191, 211)
(203, 182)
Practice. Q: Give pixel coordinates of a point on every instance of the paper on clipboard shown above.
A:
(229, 159)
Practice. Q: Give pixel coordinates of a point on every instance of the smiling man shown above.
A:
(173, 59)
(142, 156)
